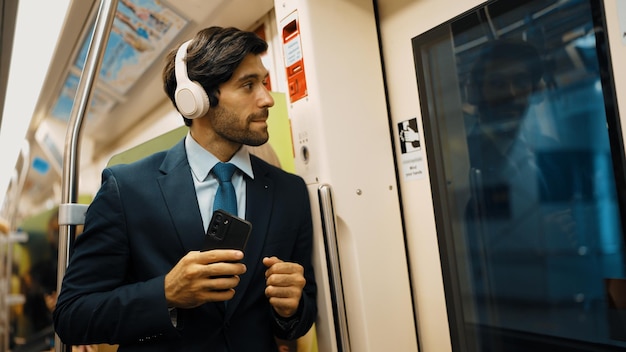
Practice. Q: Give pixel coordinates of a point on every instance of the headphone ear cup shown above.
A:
(191, 99)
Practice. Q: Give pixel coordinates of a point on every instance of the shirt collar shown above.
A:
(202, 161)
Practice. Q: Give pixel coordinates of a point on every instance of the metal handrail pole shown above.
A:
(8, 260)
(71, 156)
(25, 154)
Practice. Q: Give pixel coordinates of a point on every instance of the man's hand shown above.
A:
(201, 277)
(284, 283)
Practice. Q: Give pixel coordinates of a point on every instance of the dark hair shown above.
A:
(507, 50)
(212, 57)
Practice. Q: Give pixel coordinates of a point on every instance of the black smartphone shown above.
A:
(227, 231)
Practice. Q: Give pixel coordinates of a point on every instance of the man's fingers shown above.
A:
(284, 280)
(217, 255)
(223, 269)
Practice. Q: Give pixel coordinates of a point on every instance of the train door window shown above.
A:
(526, 159)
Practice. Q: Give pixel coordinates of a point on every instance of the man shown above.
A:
(513, 226)
(505, 76)
(139, 276)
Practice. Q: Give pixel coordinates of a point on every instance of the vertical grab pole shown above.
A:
(7, 260)
(70, 213)
(332, 259)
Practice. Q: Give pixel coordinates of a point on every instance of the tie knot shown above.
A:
(224, 171)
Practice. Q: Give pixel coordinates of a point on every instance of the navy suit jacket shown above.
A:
(144, 218)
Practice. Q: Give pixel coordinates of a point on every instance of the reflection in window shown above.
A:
(521, 166)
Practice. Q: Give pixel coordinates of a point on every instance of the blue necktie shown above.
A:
(225, 198)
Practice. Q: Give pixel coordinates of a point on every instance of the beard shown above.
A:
(230, 127)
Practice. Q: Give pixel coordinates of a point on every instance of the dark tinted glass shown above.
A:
(525, 159)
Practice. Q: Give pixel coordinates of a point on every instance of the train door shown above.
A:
(513, 112)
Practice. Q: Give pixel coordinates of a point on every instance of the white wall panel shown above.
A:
(400, 21)
(343, 123)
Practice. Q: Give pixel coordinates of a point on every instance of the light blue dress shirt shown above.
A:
(201, 162)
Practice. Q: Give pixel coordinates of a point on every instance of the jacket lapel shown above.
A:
(180, 198)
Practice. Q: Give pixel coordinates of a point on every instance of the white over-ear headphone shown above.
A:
(191, 99)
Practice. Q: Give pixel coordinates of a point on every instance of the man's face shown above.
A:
(242, 112)
(506, 91)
